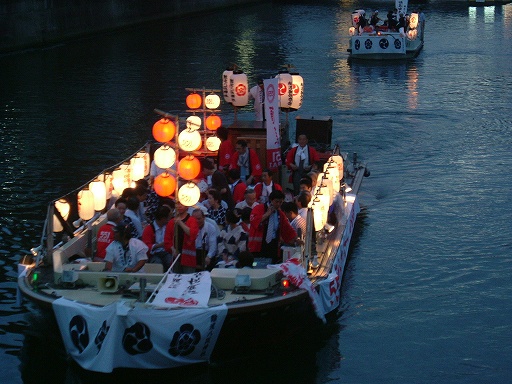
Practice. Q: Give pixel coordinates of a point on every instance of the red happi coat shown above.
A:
(188, 253)
(239, 191)
(258, 228)
(254, 164)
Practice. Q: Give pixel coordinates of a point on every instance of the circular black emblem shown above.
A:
(137, 339)
(79, 333)
(384, 43)
(357, 45)
(398, 44)
(184, 340)
(368, 44)
(102, 333)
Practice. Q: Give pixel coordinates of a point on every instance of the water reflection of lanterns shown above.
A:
(164, 130)
(194, 101)
(189, 167)
(164, 184)
(63, 207)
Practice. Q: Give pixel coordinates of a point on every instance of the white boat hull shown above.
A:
(387, 46)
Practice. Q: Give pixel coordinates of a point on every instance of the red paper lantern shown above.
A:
(189, 167)
(213, 122)
(164, 130)
(194, 101)
(164, 184)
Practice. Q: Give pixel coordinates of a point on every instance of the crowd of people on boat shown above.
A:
(243, 214)
(394, 21)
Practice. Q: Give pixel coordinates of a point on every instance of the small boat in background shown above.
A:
(385, 42)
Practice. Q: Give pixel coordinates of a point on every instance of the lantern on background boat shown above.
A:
(212, 101)
(85, 204)
(213, 122)
(193, 123)
(189, 167)
(63, 207)
(213, 143)
(165, 157)
(239, 89)
(164, 184)
(164, 130)
(413, 20)
(226, 85)
(189, 140)
(189, 194)
(351, 31)
(99, 191)
(194, 100)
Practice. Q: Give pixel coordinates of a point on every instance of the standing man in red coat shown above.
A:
(266, 187)
(247, 161)
(226, 150)
(269, 225)
(106, 233)
(180, 237)
(300, 159)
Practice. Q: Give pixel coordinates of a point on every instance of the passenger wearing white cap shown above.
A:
(374, 20)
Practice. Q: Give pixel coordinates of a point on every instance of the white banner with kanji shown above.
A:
(188, 290)
(272, 122)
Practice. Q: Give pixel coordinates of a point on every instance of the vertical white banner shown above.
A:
(272, 122)
(401, 6)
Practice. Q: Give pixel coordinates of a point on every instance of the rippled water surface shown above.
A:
(427, 290)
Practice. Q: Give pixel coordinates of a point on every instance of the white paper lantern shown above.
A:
(147, 161)
(193, 123)
(285, 88)
(85, 204)
(226, 85)
(165, 157)
(137, 167)
(99, 191)
(413, 20)
(331, 171)
(189, 194)
(213, 143)
(320, 205)
(189, 140)
(118, 180)
(351, 31)
(239, 88)
(212, 101)
(297, 90)
(63, 207)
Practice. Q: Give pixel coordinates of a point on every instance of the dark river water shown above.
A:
(428, 287)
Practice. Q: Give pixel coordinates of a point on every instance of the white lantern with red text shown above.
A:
(297, 91)
(285, 90)
(239, 88)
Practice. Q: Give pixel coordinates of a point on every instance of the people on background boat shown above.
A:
(206, 240)
(269, 226)
(180, 238)
(125, 254)
(300, 160)
(264, 188)
(391, 20)
(216, 211)
(247, 161)
(257, 93)
(232, 240)
(374, 20)
(361, 23)
(237, 186)
(153, 236)
(226, 149)
(105, 234)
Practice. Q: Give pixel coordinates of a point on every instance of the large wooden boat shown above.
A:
(160, 319)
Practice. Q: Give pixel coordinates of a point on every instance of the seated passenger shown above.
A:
(125, 254)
